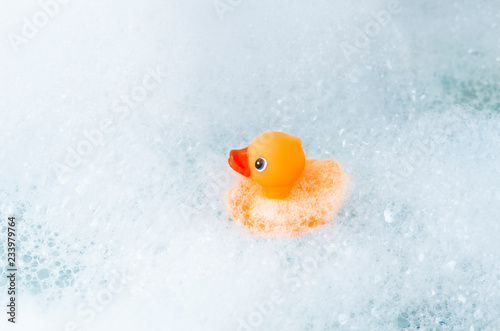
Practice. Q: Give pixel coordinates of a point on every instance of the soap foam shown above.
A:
(412, 118)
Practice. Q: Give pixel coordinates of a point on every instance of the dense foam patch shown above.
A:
(316, 196)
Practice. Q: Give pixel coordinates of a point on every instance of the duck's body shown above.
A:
(288, 194)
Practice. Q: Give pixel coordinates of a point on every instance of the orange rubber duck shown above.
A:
(281, 192)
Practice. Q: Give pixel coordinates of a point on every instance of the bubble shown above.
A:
(43, 274)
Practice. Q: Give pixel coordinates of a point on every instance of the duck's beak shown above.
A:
(238, 160)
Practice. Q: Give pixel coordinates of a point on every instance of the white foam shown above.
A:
(413, 118)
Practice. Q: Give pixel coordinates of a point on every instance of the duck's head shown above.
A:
(274, 159)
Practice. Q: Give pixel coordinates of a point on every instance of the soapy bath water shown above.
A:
(116, 123)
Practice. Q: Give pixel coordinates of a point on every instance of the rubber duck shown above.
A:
(282, 192)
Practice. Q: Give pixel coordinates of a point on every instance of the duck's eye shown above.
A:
(260, 164)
